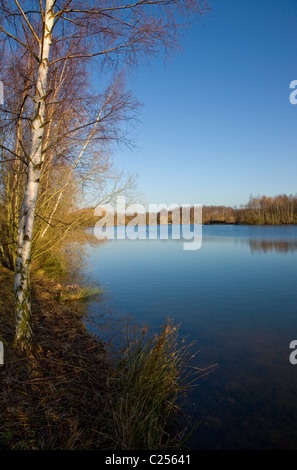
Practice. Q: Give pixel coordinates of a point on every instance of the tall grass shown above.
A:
(69, 396)
(146, 387)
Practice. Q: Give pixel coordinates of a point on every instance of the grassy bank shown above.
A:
(66, 396)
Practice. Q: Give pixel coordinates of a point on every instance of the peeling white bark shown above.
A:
(23, 317)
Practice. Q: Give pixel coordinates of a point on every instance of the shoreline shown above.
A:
(66, 396)
(53, 398)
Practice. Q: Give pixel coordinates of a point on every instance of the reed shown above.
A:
(69, 395)
(147, 387)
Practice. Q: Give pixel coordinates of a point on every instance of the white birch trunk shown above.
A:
(23, 317)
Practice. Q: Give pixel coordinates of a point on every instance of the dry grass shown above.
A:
(66, 396)
(54, 398)
(148, 387)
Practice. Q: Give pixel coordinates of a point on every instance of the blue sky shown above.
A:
(216, 123)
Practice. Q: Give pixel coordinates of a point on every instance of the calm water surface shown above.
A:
(237, 298)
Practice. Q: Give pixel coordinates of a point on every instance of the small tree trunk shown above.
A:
(23, 316)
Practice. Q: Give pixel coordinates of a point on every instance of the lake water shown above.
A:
(237, 298)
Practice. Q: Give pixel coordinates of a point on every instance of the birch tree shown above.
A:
(81, 127)
(14, 137)
(112, 32)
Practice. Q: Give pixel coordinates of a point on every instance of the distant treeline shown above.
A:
(261, 210)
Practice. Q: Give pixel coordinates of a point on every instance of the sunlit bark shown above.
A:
(23, 316)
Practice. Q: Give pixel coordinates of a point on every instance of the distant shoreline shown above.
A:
(261, 210)
(203, 224)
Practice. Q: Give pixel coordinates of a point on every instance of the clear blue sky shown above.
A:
(217, 123)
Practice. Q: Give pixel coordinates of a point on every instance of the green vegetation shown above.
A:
(146, 387)
(72, 293)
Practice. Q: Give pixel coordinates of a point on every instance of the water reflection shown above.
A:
(266, 246)
(257, 245)
(238, 305)
(281, 239)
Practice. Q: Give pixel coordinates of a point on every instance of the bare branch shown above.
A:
(28, 22)
(20, 42)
